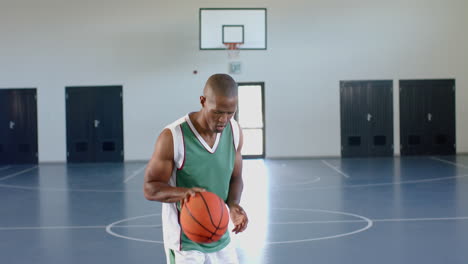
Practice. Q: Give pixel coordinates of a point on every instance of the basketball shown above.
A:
(204, 218)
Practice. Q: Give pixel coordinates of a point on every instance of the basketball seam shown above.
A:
(208, 209)
(222, 214)
(222, 227)
(194, 234)
(190, 213)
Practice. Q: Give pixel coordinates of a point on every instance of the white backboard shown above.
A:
(235, 25)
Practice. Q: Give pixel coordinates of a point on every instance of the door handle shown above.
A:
(429, 117)
(12, 125)
(369, 117)
(96, 123)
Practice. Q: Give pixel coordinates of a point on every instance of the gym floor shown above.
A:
(376, 210)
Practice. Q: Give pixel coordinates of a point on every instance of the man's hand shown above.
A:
(189, 193)
(239, 218)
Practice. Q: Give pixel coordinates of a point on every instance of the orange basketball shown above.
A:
(204, 218)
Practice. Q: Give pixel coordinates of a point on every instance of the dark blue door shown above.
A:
(80, 130)
(380, 118)
(354, 122)
(366, 118)
(18, 131)
(427, 117)
(94, 124)
(4, 126)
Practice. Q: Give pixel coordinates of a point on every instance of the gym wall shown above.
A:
(151, 48)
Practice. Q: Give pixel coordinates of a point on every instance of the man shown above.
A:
(201, 151)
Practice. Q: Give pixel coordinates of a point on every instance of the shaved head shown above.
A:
(219, 102)
(220, 85)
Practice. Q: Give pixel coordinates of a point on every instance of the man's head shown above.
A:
(219, 101)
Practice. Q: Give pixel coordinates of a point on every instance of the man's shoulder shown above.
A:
(176, 123)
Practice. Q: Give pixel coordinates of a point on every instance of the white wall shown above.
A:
(151, 48)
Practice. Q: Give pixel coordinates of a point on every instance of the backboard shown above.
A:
(246, 26)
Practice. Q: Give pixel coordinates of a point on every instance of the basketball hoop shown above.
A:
(233, 49)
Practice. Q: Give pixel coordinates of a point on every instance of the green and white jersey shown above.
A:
(198, 165)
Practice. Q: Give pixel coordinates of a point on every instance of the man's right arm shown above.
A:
(158, 173)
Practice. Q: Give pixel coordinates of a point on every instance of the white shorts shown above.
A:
(226, 255)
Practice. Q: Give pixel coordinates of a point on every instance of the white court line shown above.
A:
(317, 222)
(373, 220)
(72, 227)
(17, 173)
(286, 189)
(381, 184)
(335, 168)
(274, 223)
(66, 189)
(421, 219)
(136, 226)
(135, 173)
(363, 219)
(112, 233)
(50, 227)
(298, 183)
(4, 168)
(450, 162)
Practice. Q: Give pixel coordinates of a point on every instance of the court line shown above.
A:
(136, 226)
(363, 219)
(450, 162)
(4, 168)
(135, 173)
(368, 221)
(421, 219)
(50, 227)
(17, 173)
(373, 220)
(73, 227)
(66, 189)
(334, 168)
(112, 233)
(382, 184)
(286, 188)
(298, 183)
(317, 222)
(273, 223)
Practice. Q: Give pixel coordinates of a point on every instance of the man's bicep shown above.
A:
(161, 165)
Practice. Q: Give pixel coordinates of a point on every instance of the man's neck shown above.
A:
(200, 125)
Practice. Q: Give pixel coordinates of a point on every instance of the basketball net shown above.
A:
(233, 50)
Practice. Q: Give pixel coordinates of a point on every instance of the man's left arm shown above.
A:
(238, 215)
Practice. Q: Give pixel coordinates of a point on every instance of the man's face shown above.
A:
(218, 110)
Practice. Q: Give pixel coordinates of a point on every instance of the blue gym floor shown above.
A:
(377, 210)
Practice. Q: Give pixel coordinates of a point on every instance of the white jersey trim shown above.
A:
(235, 132)
(178, 142)
(200, 138)
(172, 230)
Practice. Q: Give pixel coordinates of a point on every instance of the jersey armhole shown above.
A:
(235, 133)
(179, 146)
